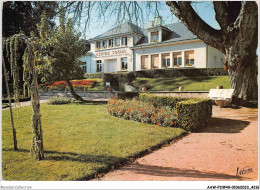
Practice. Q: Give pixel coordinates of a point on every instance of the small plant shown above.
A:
(60, 100)
(142, 112)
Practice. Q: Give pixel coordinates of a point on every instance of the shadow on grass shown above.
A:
(178, 172)
(220, 125)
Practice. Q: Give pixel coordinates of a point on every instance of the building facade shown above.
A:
(129, 48)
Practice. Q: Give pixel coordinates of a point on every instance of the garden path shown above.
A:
(221, 151)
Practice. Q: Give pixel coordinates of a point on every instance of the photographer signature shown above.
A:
(244, 170)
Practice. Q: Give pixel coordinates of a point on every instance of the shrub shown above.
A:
(127, 95)
(60, 100)
(194, 113)
(142, 112)
(160, 101)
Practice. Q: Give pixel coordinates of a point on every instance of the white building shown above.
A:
(129, 48)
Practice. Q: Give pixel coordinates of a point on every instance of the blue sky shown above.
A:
(204, 9)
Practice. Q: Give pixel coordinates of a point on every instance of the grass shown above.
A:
(80, 141)
(189, 83)
(98, 85)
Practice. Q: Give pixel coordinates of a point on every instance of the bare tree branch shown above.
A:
(184, 11)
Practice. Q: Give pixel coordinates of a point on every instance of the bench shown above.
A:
(222, 97)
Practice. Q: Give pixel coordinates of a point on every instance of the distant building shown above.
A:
(129, 48)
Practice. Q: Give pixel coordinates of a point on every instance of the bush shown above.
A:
(60, 100)
(179, 72)
(160, 101)
(194, 113)
(141, 112)
(127, 95)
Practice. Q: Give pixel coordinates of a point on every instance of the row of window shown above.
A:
(111, 43)
(177, 60)
(123, 64)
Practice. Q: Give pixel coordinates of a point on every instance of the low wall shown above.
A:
(188, 94)
(106, 94)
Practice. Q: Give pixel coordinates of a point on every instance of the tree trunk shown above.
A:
(73, 93)
(10, 106)
(37, 139)
(243, 77)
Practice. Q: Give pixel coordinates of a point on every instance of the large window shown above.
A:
(155, 61)
(117, 42)
(189, 58)
(154, 36)
(177, 59)
(111, 43)
(124, 63)
(99, 66)
(144, 62)
(166, 60)
(124, 41)
(98, 45)
(105, 44)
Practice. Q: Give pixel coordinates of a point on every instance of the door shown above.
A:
(112, 65)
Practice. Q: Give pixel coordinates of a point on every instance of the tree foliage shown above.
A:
(58, 51)
(24, 15)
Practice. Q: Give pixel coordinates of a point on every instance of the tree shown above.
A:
(58, 52)
(24, 15)
(237, 39)
(12, 46)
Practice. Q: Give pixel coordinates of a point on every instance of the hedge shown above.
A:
(179, 72)
(159, 101)
(192, 113)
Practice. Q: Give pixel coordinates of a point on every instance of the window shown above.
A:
(154, 36)
(105, 44)
(111, 43)
(99, 66)
(166, 60)
(84, 67)
(189, 58)
(215, 61)
(98, 45)
(155, 61)
(144, 62)
(117, 42)
(177, 59)
(124, 41)
(124, 63)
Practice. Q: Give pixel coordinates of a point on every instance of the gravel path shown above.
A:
(228, 146)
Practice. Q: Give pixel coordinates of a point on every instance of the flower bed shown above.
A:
(142, 112)
(62, 85)
(190, 114)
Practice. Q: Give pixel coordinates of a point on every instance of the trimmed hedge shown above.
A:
(160, 101)
(192, 113)
(179, 72)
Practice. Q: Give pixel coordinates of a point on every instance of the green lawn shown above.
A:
(98, 85)
(204, 83)
(79, 140)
